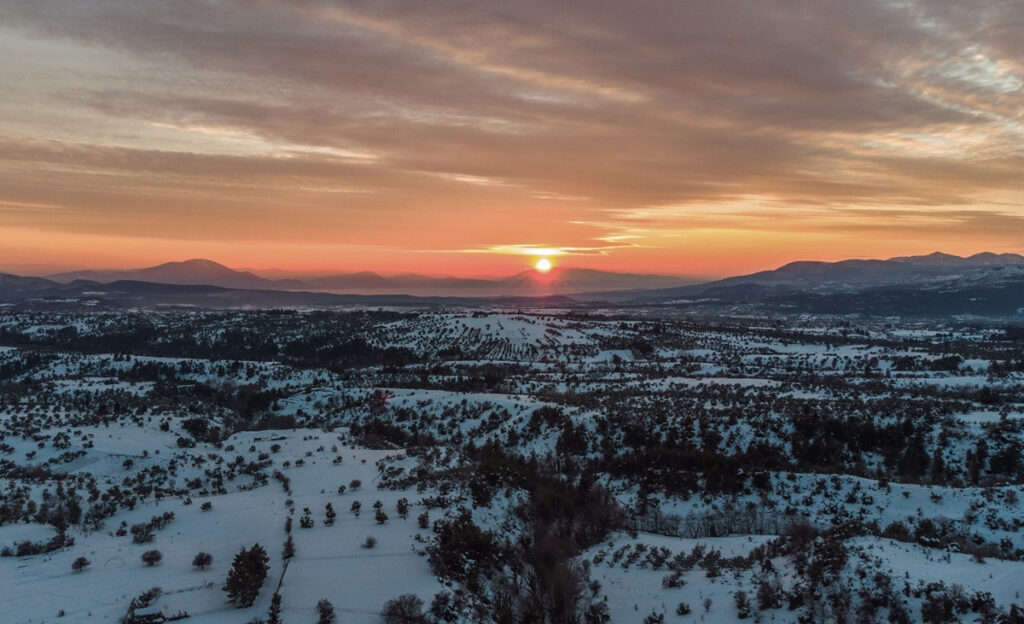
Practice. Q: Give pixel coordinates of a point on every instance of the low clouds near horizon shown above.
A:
(680, 137)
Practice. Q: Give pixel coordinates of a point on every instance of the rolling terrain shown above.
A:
(667, 469)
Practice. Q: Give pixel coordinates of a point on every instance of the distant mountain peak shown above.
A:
(985, 258)
(201, 265)
(849, 276)
(194, 262)
(197, 271)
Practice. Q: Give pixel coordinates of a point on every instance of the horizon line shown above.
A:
(299, 274)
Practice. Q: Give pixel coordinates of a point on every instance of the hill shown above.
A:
(530, 283)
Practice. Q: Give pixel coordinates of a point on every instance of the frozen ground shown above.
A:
(901, 445)
(330, 562)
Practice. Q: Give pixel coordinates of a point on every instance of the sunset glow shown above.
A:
(712, 291)
(677, 138)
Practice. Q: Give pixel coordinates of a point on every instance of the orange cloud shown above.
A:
(672, 137)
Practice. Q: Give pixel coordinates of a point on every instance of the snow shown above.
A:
(329, 562)
(580, 367)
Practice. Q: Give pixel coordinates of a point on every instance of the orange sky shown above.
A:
(698, 253)
(699, 139)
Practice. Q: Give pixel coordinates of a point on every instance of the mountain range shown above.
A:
(198, 271)
(934, 285)
(937, 284)
(529, 283)
(849, 276)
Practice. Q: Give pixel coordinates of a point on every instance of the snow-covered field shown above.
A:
(831, 463)
(329, 562)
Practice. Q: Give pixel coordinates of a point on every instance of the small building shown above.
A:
(146, 615)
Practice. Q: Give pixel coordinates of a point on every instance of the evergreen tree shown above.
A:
(248, 572)
(274, 613)
(329, 515)
(325, 610)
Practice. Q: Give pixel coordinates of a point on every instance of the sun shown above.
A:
(543, 265)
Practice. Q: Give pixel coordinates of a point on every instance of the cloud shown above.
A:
(543, 250)
(489, 124)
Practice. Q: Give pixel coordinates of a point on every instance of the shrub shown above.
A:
(369, 542)
(405, 609)
(769, 594)
(742, 604)
(146, 598)
(897, 530)
(80, 564)
(202, 561)
(141, 534)
(152, 557)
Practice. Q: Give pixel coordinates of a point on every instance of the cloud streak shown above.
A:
(591, 128)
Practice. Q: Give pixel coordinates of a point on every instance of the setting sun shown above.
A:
(543, 265)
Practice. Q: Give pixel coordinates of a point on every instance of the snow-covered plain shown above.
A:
(329, 562)
(819, 422)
